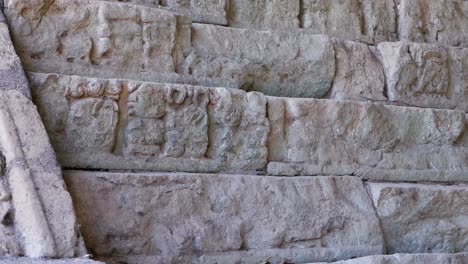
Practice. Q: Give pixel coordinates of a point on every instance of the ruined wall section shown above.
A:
(216, 131)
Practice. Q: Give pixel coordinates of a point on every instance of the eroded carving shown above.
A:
(153, 124)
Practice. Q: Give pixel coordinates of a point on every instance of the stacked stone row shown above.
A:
(328, 93)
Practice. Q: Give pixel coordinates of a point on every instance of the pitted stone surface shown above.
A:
(11, 73)
(122, 124)
(426, 75)
(419, 218)
(193, 218)
(434, 21)
(43, 218)
(98, 38)
(374, 141)
(279, 64)
(408, 259)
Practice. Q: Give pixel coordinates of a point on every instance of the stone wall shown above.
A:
(250, 131)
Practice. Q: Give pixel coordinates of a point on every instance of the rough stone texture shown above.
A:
(422, 218)
(264, 14)
(201, 11)
(47, 261)
(193, 218)
(121, 124)
(409, 259)
(43, 213)
(97, 38)
(359, 74)
(11, 73)
(364, 20)
(374, 141)
(426, 75)
(432, 21)
(288, 64)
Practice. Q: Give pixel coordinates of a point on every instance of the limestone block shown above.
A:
(289, 64)
(365, 20)
(419, 218)
(11, 73)
(359, 73)
(32, 187)
(375, 141)
(264, 14)
(425, 75)
(195, 218)
(97, 38)
(434, 21)
(122, 124)
(409, 259)
(47, 261)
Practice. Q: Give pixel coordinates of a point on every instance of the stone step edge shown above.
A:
(188, 82)
(361, 38)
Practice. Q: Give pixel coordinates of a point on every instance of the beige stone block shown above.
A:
(195, 218)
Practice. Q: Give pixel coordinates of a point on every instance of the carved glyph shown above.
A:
(152, 124)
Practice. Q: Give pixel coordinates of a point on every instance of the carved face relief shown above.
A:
(147, 102)
(91, 124)
(187, 123)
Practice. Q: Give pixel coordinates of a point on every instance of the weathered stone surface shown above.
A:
(193, 218)
(433, 21)
(43, 214)
(425, 75)
(280, 64)
(121, 124)
(264, 14)
(409, 259)
(326, 137)
(11, 73)
(201, 11)
(359, 73)
(47, 261)
(418, 218)
(364, 20)
(98, 38)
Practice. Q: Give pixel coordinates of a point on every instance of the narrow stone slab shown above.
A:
(408, 259)
(280, 64)
(47, 261)
(98, 38)
(194, 218)
(11, 73)
(123, 124)
(43, 214)
(374, 141)
(426, 75)
(434, 21)
(418, 218)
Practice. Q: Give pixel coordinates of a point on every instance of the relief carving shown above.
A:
(427, 72)
(167, 122)
(91, 124)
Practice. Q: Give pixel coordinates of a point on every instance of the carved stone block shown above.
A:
(421, 217)
(364, 20)
(434, 21)
(98, 38)
(317, 137)
(121, 124)
(194, 218)
(425, 75)
(281, 64)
